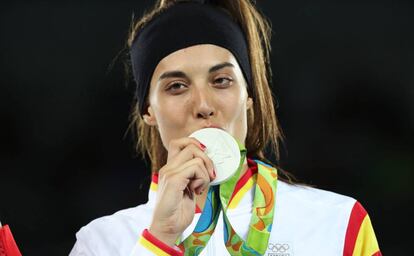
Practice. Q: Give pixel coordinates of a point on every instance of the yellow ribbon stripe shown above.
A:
(240, 194)
(366, 243)
(151, 247)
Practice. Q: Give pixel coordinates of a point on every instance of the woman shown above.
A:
(200, 64)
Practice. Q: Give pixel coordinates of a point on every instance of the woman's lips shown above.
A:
(214, 126)
(209, 126)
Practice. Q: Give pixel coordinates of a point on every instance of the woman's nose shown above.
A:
(203, 104)
(205, 114)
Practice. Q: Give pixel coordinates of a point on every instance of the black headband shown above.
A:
(182, 25)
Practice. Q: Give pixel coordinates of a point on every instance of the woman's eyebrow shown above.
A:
(220, 66)
(177, 73)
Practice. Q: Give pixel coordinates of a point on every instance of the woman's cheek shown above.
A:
(174, 111)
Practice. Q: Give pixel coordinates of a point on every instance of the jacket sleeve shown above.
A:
(8, 246)
(149, 245)
(90, 243)
(360, 239)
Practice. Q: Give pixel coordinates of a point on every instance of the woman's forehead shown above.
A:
(203, 55)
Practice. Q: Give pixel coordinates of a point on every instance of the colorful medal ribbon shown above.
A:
(195, 243)
(261, 221)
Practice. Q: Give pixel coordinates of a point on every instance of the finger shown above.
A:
(195, 173)
(190, 152)
(197, 186)
(177, 145)
(207, 161)
(189, 193)
(179, 178)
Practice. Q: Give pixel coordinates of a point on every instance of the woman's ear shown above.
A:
(149, 118)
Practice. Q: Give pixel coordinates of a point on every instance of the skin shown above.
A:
(178, 106)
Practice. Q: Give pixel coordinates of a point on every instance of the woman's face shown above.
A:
(197, 87)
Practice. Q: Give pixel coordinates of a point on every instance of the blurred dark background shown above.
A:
(343, 79)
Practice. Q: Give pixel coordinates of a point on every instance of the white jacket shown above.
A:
(307, 221)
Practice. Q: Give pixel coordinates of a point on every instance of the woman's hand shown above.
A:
(188, 171)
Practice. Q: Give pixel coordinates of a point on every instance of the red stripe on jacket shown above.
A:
(358, 214)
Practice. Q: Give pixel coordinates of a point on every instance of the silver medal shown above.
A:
(222, 149)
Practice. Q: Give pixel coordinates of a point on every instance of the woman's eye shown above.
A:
(175, 87)
(223, 81)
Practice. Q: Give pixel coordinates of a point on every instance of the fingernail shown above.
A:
(203, 147)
